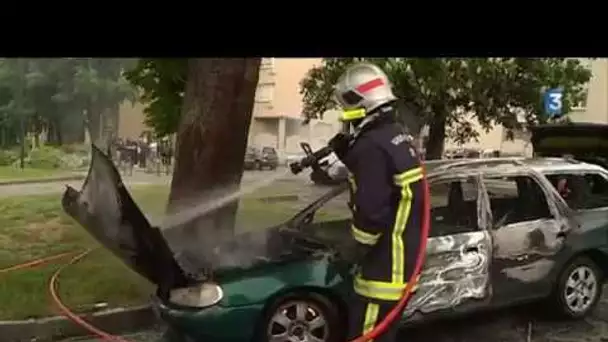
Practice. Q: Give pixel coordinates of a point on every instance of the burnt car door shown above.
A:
(528, 230)
(456, 272)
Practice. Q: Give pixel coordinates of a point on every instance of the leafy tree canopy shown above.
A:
(447, 93)
(60, 95)
(161, 84)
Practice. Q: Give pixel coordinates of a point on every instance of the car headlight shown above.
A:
(202, 295)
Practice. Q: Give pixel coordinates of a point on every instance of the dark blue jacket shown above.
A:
(387, 200)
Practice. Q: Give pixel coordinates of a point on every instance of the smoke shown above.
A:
(202, 248)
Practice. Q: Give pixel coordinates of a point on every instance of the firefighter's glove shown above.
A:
(340, 144)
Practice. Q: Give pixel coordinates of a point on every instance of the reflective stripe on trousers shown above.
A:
(364, 237)
(393, 290)
(379, 289)
(371, 316)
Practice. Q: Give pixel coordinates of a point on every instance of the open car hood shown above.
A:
(587, 142)
(106, 210)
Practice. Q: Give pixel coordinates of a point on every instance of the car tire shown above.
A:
(578, 289)
(281, 317)
(257, 165)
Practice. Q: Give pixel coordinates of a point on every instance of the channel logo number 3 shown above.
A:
(553, 102)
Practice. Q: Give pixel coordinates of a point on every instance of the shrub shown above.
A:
(45, 157)
(80, 149)
(8, 157)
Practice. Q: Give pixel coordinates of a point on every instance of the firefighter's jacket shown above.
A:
(387, 204)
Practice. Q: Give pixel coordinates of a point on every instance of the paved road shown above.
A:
(516, 325)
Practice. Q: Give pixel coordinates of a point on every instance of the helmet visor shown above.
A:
(349, 99)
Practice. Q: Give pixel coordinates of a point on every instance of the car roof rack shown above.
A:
(517, 161)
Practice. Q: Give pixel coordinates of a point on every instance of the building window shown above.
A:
(579, 105)
(267, 63)
(264, 93)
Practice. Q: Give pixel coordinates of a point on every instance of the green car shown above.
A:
(502, 234)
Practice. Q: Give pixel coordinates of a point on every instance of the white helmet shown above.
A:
(361, 89)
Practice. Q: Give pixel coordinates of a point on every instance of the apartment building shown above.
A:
(277, 119)
(277, 115)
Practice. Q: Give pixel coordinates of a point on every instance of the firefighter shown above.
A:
(386, 195)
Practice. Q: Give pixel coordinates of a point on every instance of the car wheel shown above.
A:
(302, 317)
(257, 165)
(579, 288)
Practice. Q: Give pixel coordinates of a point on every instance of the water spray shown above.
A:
(206, 206)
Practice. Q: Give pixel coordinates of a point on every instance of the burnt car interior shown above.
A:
(588, 191)
(516, 199)
(453, 210)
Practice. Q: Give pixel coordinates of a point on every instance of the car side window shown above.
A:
(581, 191)
(516, 199)
(453, 207)
(598, 191)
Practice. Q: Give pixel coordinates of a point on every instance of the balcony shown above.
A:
(267, 76)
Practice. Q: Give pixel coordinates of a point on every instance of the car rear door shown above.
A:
(456, 272)
(528, 230)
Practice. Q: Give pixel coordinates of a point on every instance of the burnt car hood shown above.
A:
(587, 142)
(106, 210)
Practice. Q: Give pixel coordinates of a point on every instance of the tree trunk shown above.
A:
(94, 123)
(436, 140)
(210, 149)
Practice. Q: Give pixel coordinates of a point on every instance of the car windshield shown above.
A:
(275, 204)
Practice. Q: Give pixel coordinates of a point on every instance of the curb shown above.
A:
(113, 321)
(42, 180)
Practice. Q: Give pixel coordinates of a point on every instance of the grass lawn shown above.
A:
(11, 173)
(35, 226)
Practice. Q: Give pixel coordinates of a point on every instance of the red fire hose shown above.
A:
(407, 291)
(55, 297)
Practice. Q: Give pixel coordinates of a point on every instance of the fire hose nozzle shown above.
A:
(299, 166)
(311, 159)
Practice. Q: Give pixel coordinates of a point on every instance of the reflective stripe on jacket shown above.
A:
(386, 196)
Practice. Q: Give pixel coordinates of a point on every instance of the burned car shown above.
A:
(501, 235)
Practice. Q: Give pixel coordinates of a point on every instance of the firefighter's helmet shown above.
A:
(361, 89)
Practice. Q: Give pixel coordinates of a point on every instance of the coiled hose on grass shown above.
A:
(53, 291)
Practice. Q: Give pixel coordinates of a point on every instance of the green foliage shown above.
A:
(45, 157)
(453, 91)
(60, 95)
(51, 157)
(161, 83)
(8, 157)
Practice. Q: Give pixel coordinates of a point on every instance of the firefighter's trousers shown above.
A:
(365, 313)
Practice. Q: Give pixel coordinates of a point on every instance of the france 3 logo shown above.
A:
(553, 102)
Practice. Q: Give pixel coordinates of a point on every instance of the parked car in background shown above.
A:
(258, 159)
